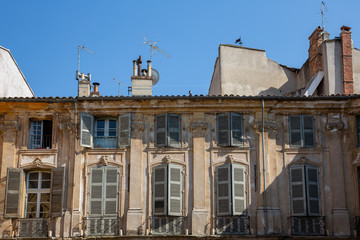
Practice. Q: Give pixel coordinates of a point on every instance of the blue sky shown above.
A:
(43, 37)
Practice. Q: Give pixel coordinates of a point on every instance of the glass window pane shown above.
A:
(44, 215)
(34, 176)
(45, 197)
(46, 175)
(112, 123)
(32, 197)
(45, 184)
(33, 184)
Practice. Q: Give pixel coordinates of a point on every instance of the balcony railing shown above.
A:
(105, 142)
(33, 227)
(232, 225)
(309, 226)
(167, 225)
(40, 141)
(103, 226)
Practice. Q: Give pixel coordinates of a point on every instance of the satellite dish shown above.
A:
(155, 74)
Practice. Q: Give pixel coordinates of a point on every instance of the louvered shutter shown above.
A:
(238, 189)
(96, 191)
(86, 130)
(358, 130)
(297, 188)
(111, 191)
(174, 190)
(236, 129)
(222, 121)
(223, 200)
(295, 131)
(160, 130)
(313, 196)
(14, 180)
(160, 190)
(174, 130)
(124, 130)
(57, 191)
(308, 124)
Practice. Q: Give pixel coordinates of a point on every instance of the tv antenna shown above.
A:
(118, 86)
(323, 10)
(84, 48)
(154, 49)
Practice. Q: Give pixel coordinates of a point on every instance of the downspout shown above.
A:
(263, 162)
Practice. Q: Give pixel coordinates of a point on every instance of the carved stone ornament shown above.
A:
(302, 160)
(199, 125)
(104, 160)
(166, 159)
(139, 126)
(270, 126)
(37, 163)
(334, 125)
(230, 158)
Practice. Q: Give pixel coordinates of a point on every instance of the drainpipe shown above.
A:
(264, 167)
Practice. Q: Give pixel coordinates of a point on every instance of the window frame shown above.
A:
(106, 132)
(43, 144)
(230, 129)
(302, 131)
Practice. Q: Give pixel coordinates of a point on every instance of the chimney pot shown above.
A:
(345, 28)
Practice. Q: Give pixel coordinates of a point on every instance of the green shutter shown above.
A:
(160, 130)
(159, 190)
(14, 180)
(57, 191)
(96, 191)
(297, 189)
(111, 191)
(86, 130)
(312, 187)
(124, 130)
(222, 121)
(174, 190)
(174, 130)
(236, 129)
(238, 189)
(295, 131)
(308, 129)
(223, 190)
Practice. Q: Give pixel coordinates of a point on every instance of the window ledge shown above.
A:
(105, 150)
(38, 158)
(301, 150)
(38, 151)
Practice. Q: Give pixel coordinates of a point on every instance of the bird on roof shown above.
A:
(238, 41)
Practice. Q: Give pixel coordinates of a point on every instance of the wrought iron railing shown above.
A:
(309, 226)
(105, 142)
(232, 225)
(40, 141)
(33, 227)
(103, 226)
(167, 225)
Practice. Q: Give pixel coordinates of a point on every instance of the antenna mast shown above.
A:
(118, 86)
(323, 10)
(154, 49)
(88, 50)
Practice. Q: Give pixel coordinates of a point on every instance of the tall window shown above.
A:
(40, 134)
(229, 129)
(105, 133)
(302, 131)
(168, 130)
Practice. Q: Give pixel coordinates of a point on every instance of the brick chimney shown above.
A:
(315, 54)
(347, 71)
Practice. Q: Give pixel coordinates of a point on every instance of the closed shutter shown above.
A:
(175, 190)
(57, 191)
(295, 131)
(174, 130)
(96, 191)
(223, 200)
(14, 181)
(160, 190)
(238, 189)
(297, 188)
(308, 124)
(111, 191)
(124, 130)
(236, 129)
(313, 196)
(160, 130)
(222, 121)
(86, 130)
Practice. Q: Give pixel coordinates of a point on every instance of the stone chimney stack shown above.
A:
(84, 84)
(315, 54)
(141, 81)
(347, 70)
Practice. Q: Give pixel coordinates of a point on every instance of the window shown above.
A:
(168, 130)
(109, 133)
(302, 131)
(40, 134)
(229, 129)
(304, 186)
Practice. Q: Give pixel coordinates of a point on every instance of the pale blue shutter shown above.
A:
(295, 131)
(111, 191)
(308, 128)
(57, 191)
(96, 191)
(313, 196)
(86, 130)
(160, 130)
(223, 190)
(297, 189)
(238, 189)
(174, 190)
(222, 121)
(124, 130)
(174, 130)
(14, 179)
(236, 129)
(159, 190)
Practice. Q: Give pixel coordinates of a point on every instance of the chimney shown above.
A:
(84, 84)
(141, 81)
(95, 93)
(347, 71)
(315, 54)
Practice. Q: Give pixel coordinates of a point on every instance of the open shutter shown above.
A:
(297, 188)
(295, 131)
(174, 130)
(57, 191)
(236, 129)
(160, 190)
(14, 181)
(160, 130)
(175, 190)
(222, 121)
(86, 130)
(111, 191)
(313, 196)
(96, 191)
(124, 130)
(223, 200)
(238, 189)
(308, 124)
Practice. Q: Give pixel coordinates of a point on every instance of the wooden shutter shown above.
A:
(297, 189)
(14, 180)
(124, 130)
(175, 190)
(174, 130)
(222, 121)
(111, 191)
(358, 130)
(57, 191)
(295, 131)
(86, 130)
(308, 126)
(238, 189)
(96, 191)
(160, 190)
(160, 130)
(223, 190)
(236, 129)
(312, 187)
